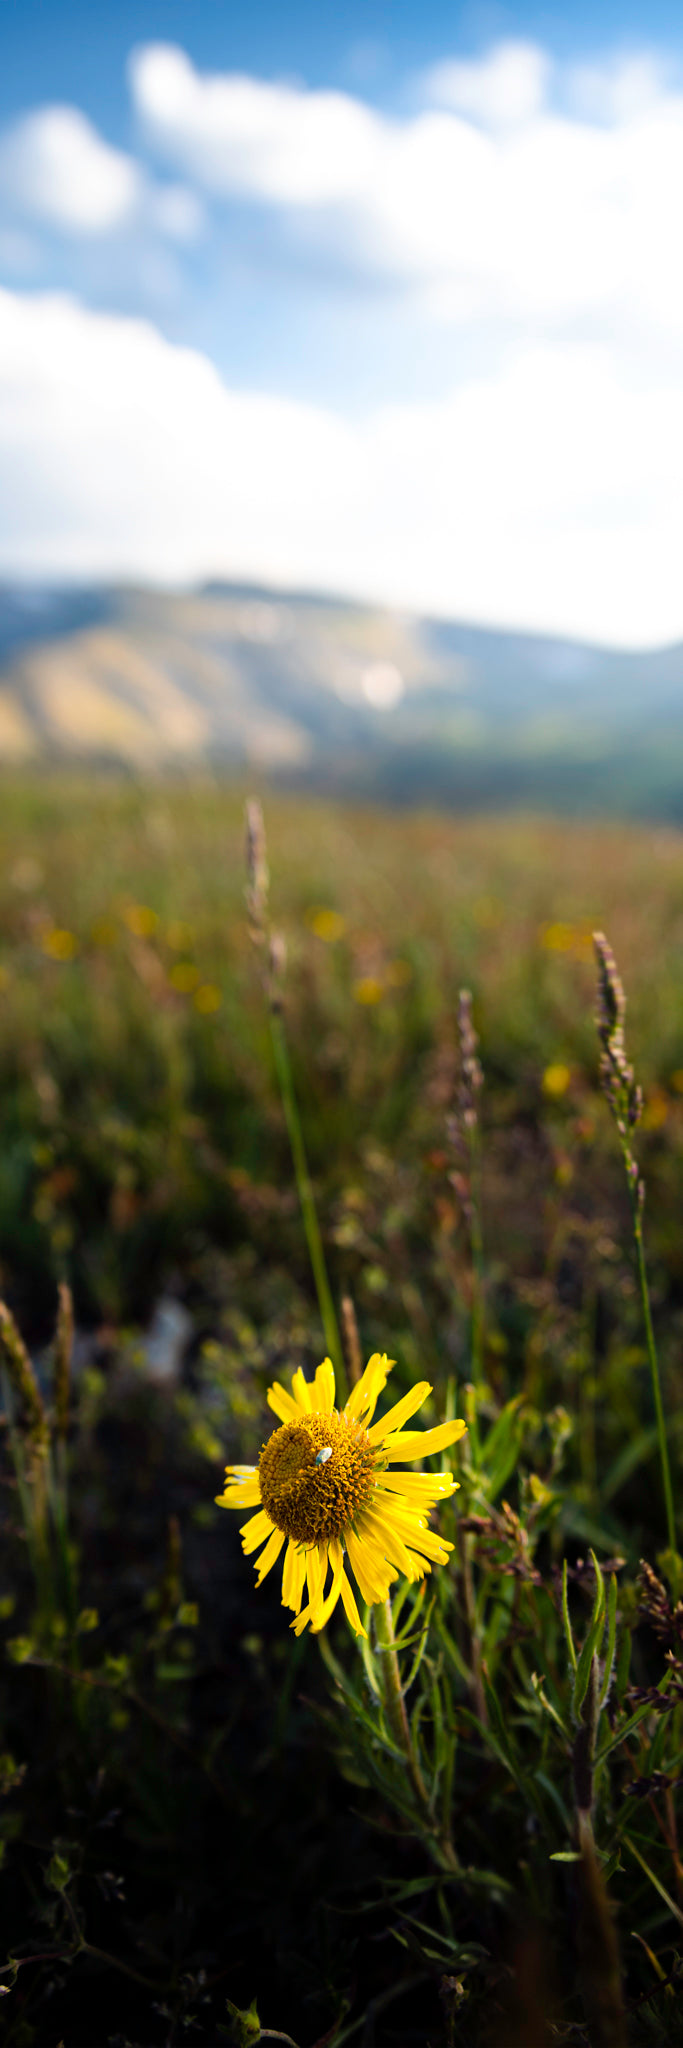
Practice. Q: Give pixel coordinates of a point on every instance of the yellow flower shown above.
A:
(322, 1487)
(327, 925)
(368, 990)
(60, 945)
(556, 1079)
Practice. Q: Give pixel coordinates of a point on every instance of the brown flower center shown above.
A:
(308, 1495)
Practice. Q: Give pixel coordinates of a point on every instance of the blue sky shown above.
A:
(386, 299)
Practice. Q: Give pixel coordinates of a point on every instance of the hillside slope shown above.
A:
(338, 695)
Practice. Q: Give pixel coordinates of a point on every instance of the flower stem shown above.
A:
(397, 1717)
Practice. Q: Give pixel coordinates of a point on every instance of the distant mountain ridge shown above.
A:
(342, 696)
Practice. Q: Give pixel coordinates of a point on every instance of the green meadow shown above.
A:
(212, 1828)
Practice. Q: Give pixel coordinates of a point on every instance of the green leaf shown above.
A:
(611, 1637)
(565, 1617)
(583, 1669)
(244, 2026)
(58, 1872)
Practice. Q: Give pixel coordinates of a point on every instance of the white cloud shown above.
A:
(550, 495)
(236, 135)
(504, 89)
(539, 220)
(58, 169)
(618, 90)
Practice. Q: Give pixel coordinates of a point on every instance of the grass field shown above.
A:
(199, 1808)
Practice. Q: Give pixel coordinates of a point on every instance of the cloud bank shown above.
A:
(551, 495)
(493, 203)
(527, 213)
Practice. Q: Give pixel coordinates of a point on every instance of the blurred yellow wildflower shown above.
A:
(141, 921)
(556, 1079)
(59, 945)
(558, 938)
(322, 1487)
(184, 977)
(655, 1112)
(368, 989)
(567, 938)
(327, 925)
(207, 998)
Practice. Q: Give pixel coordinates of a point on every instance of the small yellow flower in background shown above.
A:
(207, 998)
(655, 1112)
(557, 938)
(327, 925)
(141, 921)
(567, 938)
(556, 1079)
(368, 990)
(322, 1487)
(59, 945)
(184, 977)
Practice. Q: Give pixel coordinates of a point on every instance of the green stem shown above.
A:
(654, 1370)
(395, 1708)
(308, 1210)
(477, 1248)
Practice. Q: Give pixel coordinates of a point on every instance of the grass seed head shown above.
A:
(20, 1371)
(258, 877)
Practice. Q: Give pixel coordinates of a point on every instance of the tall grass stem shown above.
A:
(307, 1202)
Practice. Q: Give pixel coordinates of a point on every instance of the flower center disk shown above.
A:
(312, 1501)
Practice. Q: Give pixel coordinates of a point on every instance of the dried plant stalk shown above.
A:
(625, 1100)
(64, 1341)
(21, 1374)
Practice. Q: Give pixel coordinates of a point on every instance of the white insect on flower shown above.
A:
(323, 1456)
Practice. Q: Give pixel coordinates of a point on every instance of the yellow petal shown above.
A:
(293, 1576)
(269, 1555)
(301, 1621)
(422, 1443)
(350, 1608)
(303, 1393)
(421, 1489)
(246, 1496)
(281, 1403)
(364, 1397)
(336, 1557)
(400, 1412)
(413, 1531)
(369, 1567)
(323, 1389)
(316, 1574)
(242, 1489)
(255, 1531)
(390, 1543)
